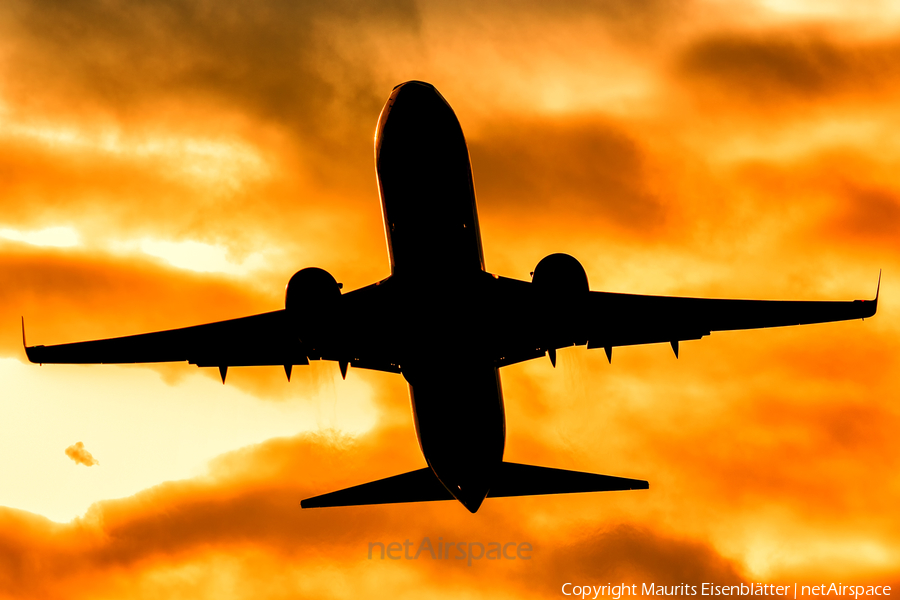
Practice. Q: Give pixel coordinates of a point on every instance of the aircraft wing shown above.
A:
(632, 319)
(605, 320)
(256, 340)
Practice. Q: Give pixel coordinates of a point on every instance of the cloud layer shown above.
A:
(673, 147)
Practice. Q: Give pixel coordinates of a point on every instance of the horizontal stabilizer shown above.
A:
(512, 480)
(415, 486)
(527, 480)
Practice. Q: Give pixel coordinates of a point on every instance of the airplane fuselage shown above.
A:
(434, 242)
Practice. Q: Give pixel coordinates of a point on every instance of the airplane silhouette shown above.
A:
(445, 323)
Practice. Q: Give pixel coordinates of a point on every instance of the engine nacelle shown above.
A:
(310, 298)
(560, 275)
(310, 289)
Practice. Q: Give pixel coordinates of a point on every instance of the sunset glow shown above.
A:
(165, 165)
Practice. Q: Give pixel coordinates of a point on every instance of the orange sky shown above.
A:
(167, 164)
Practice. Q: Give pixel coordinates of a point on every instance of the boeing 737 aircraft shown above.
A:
(445, 323)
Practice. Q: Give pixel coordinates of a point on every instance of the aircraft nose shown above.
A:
(420, 97)
(414, 82)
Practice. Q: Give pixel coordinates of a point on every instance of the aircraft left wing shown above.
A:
(256, 340)
(635, 319)
(605, 320)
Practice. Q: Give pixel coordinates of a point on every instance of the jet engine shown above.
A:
(562, 289)
(310, 289)
(310, 299)
(560, 275)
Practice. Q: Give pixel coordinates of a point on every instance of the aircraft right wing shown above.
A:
(248, 341)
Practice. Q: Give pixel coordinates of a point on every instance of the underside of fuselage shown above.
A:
(434, 243)
(426, 187)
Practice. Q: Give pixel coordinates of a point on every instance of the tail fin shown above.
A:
(513, 479)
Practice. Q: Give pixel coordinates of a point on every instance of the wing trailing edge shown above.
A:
(513, 479)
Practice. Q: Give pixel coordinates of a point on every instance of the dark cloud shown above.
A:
(97, 286)
(850, 197)
(283, 62)
(569, 166)
(776, 450)
(788, 416)
(248, 503)
(631, 23)
(635, 554)
(68, 295)
(301, 83)
(632, 18)
(774, 67)
(737, 426)
(870, 213)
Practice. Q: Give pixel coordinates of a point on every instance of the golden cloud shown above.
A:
(80, 455)
(247, 509)
(749, 157)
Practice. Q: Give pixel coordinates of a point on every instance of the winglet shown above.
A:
(29, 352)
(878, 288)
(223, 371)
(874, 308)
